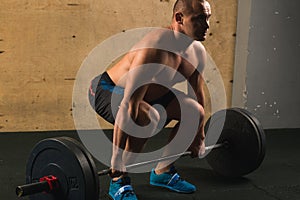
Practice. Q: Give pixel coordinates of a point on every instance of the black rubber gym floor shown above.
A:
(278, 178)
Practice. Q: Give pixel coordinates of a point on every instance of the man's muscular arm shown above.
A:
(197, 84)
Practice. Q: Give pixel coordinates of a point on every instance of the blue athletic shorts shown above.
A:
(100, 96)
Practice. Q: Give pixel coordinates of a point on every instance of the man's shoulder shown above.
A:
(157, 41)
(156, 38)
(198, 46)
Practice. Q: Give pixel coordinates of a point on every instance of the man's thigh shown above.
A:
(176, 106)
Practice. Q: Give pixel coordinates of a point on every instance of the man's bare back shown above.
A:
(139, 56)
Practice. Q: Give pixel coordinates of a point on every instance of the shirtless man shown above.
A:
(191, 18)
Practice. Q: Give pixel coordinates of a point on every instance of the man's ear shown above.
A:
(179, 18)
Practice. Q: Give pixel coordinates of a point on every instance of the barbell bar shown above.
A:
(132, 166)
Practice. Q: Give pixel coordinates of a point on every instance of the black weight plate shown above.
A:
(92, 178)
(261, 133)
(243, 153)
(66, 161)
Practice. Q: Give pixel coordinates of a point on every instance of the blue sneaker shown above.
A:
(121, 189)
(171, 180)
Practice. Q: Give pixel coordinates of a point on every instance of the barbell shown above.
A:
(62, 168)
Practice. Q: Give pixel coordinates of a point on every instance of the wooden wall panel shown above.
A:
(44, 42)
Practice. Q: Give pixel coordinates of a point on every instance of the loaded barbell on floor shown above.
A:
(50, 183)
(62, 168)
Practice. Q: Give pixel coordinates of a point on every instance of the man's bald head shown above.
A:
(191, 17)
(185, 6)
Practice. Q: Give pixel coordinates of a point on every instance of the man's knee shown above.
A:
(194, 106)
(146, 115)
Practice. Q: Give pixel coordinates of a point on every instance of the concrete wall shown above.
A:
(267, 62)
(44, 42)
